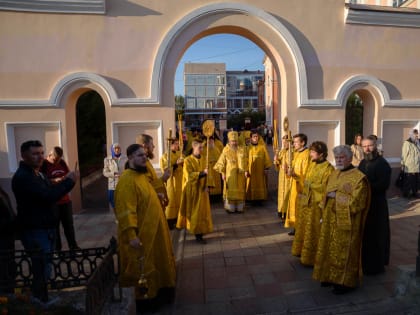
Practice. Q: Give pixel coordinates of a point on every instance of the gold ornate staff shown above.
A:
(208, 131)
(289, 139)
(168, 164)
(181, 138)
(275, 138)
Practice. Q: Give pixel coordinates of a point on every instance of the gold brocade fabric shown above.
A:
(284, 182)
(258, 161)
(139, 213)
(300, 165)
(194, 212)
(233, 164)
(308, 224)
(214, 179)
(173, 184)
(338, 257)
(157, 183)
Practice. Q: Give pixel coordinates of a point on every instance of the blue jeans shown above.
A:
(111, 198)
(44, 240)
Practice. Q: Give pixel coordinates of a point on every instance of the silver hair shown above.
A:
(343, 149)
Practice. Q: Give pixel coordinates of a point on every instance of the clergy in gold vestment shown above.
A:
(259, 163)
(174, 182)
(308, 224)
(297, 172)
(345, 206)
(194, 212)
(214, 177)
(233, 165)
(142, 231)
(284, 181)
(158, 183)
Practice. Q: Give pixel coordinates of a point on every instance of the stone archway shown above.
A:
(272, 37)
(66, 95)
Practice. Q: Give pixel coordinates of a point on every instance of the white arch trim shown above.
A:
(346, 87)
(164, 50)
(171, 37)
(229, 7)
(64, 85)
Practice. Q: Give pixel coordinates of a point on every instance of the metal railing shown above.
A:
(95, 268)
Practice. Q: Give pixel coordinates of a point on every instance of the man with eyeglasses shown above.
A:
(376, 237)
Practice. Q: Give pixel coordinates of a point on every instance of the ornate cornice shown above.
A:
(382, 16)
(55, 6)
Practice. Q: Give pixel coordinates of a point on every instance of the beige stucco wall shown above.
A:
(130, 55)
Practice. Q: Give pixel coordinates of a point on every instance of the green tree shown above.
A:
(179, 105)
(354, 117)
(91, 132)
(238, 120)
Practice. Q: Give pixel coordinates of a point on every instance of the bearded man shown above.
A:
(376, 237)
(145, 247)
(344, 209)
(158, 183)
(233, 165)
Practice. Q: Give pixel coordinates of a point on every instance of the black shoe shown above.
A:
(201, 240)
(166, 296)
(291, 233)
(147, 306)
(341, 289)
(326, 284)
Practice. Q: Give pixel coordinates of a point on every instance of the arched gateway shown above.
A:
(128, 54)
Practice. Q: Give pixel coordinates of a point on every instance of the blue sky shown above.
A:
(236, 51)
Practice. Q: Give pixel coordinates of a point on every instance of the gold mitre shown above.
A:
(233, 135)
(247, 134)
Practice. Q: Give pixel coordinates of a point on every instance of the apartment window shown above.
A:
(210, 79)
(190, 103)
(230, 103)
(221, 103)
(220, 79)
(200, 91)
(238, 103)
(209, 104)
(201, 103)
(211, 91)
(190, 91)
(189, 79)
(220, 91)
(200, 80)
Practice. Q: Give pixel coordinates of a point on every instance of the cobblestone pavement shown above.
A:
(247, 268)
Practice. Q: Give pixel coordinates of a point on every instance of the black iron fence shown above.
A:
(95, 268)
(418, 257)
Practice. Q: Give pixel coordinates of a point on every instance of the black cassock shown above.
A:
(376, 237)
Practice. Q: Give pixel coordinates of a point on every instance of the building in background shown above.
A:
(212, 92)
(58, 56)
(415, 4)
(205, 93)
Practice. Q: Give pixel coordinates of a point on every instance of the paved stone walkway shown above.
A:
(246, 267)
